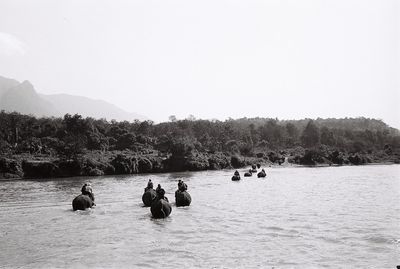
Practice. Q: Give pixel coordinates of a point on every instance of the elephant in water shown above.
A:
(84, 200)
(182, 197)
(149, 194)
(262, 173)
(248, 174)
(235, 178)
(253, 168)
(160, 207)
(81, 202)
(148, 197)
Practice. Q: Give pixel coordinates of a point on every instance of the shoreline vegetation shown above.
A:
(74, 146)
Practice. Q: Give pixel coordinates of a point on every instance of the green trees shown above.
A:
(73, 135)
(310, 136)
(327, 137)
(292, 134)
(182, 146)
(273, 133)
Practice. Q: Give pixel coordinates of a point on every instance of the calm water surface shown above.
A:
(336, 217)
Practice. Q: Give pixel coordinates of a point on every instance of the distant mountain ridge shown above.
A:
(23, 98)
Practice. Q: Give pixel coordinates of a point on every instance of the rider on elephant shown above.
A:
(87, 190)
(161, 193)
(149, 186)
(182, 186)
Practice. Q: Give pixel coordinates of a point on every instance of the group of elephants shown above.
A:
(159, 204)
(153, 198)
(262, 173)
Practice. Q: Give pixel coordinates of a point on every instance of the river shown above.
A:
(331, 217)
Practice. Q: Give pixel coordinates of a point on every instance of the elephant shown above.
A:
(248, 174)
(81, 202)
(262, 173)
(160, 208)
(253, 168)
(182, 198)
(235, 178)
(258, 166)
(148, 196)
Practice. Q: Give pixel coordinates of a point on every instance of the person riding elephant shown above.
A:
(149, 194)
(262, 173)
(182, 185)
(84, 200)
(182, 197)
(236, 176)
(161, 193)
(160, 207)
(158, 187)
(87, 190)
(253, 168)
(149, 186)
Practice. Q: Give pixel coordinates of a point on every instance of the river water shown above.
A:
(332, 217)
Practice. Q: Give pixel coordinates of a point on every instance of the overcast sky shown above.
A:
(213, 59)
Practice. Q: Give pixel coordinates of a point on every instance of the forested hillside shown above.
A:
(96, 147)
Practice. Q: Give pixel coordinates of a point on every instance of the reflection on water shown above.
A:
(180, 175)
(296, 217)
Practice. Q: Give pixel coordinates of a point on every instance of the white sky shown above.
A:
(213, 59)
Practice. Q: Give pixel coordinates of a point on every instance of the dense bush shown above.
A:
(189, 144)
(10, 168)
(237, 161)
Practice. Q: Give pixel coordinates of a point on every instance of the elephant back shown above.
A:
(236, 178)
(182, 198)
(261, 174)
(160, 208)
(81, 202)
(148, 197)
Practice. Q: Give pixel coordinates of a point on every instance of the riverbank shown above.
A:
(75, 146)
(115, 163)
(98, 163)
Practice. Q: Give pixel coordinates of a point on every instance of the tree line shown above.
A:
(73, 135)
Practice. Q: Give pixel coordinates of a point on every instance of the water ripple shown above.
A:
(342, 217)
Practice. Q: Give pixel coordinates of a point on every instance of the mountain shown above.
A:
(23, 98)
(87, 107)
(6, 84)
